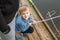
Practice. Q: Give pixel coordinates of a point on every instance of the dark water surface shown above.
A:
(53, 7)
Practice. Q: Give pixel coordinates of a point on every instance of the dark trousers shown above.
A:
(3, 25)
(29, 30)
(8, 10)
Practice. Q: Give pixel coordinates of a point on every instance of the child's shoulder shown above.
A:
(18, 16)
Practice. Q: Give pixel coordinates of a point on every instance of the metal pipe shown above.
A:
(48, 19)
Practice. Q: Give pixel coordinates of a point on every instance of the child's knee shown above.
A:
(32, 30)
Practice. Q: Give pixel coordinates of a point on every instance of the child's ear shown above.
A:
(30, 15)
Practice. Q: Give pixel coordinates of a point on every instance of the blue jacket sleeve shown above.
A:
(30, 19)
(22, 27)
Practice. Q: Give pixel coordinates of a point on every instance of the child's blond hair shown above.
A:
(23, 8)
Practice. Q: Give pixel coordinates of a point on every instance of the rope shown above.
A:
(48, 19)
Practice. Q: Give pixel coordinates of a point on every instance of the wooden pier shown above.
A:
(41, 30)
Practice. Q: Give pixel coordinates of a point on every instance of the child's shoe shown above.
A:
(25, 34)
(18, 38)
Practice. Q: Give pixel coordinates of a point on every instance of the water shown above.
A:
(50, 8)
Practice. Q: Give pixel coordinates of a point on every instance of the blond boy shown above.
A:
(24, 21)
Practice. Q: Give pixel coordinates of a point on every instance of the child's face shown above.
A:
(25, 14)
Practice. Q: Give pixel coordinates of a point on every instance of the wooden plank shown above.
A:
(40, 32)
(21, 36)
(37, 18)
(45, 22)
(35, 35)
(31, 37)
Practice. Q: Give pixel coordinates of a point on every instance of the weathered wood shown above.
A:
(40, 29)
(49, 29)
(40, 32)
(19, 35)
(35, 35)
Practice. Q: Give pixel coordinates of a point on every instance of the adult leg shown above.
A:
(3, 25)
(11, 34)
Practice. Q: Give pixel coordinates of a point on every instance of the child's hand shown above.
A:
(30, 24)
(34, 22)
